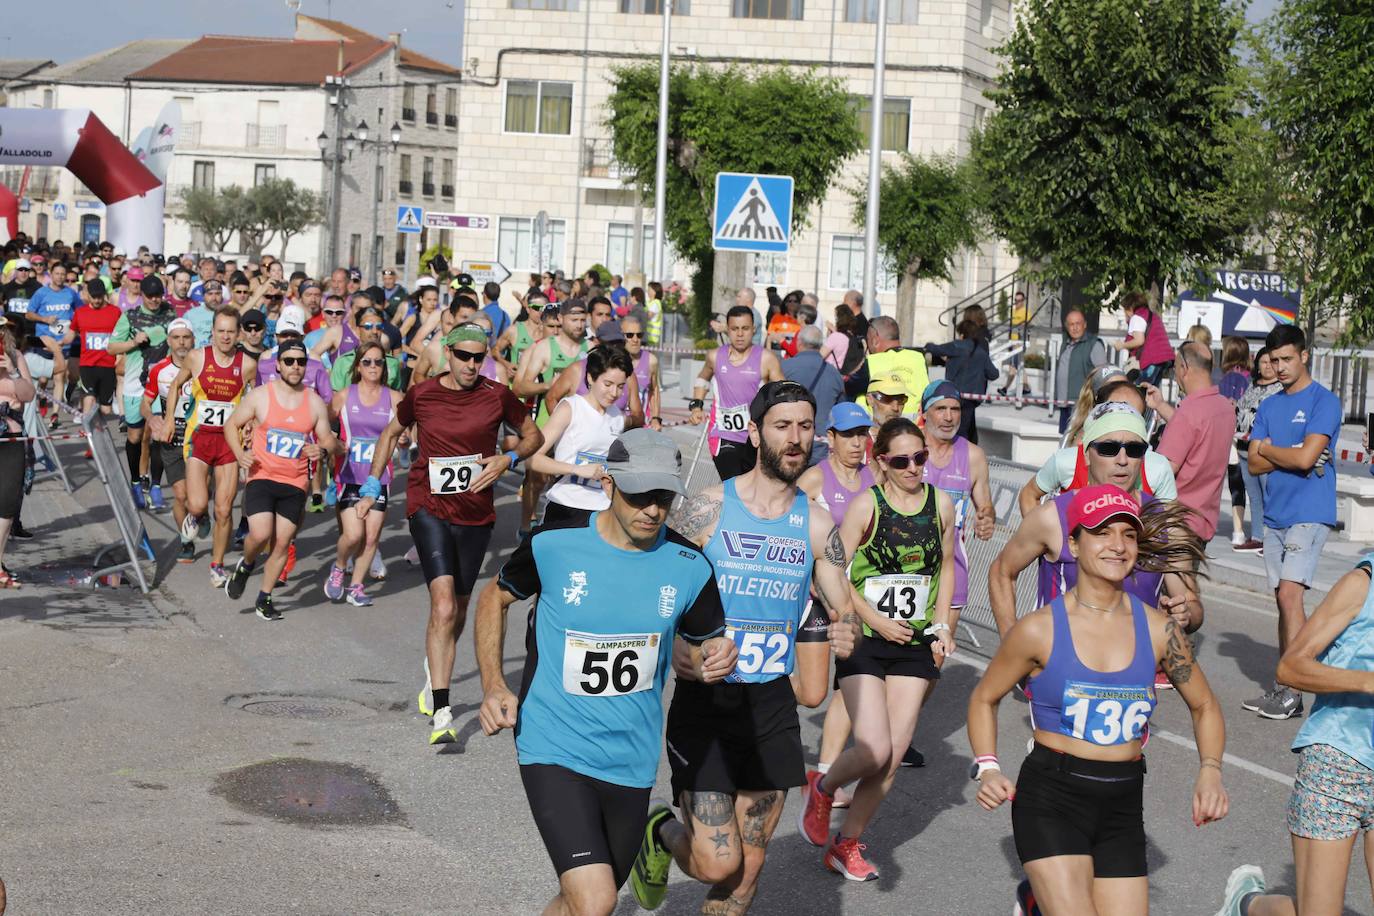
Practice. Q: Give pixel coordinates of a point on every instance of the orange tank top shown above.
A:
(279, 442)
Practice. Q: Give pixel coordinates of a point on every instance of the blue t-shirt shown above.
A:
(55, 304)
(499, 319)
(618, 295)
(600, 645)
(1290, 497)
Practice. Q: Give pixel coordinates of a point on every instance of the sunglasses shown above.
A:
(661, 498)
(372, 361)
(463, 356)
(333, 311)
(1110, 449)
(240, 291)
(633, 335)
(254, 328)
(902, 462)
(887, 398)
(371, 326)
(293, 361)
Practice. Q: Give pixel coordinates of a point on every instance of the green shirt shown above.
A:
(154, 324)
(897, 567)
(341, 373)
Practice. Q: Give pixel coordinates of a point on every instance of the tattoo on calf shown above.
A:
(713, 809)
(1178, 654)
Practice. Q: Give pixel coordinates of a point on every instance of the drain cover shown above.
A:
(311, 793)
(312, 708)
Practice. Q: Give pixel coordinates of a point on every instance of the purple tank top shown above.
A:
(1058, 576)
(735, 388)
(488, 369)
(623, 402)
(362, 426)
(836, 495)
(348, 341)
(954, 479)
(642, 376)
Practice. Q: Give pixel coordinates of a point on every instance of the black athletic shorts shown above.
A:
(280, 499)
(584, 821)
(734, 458)
(173, 462)
(876, 656)
(99, 383)
(13, 455)
(557, 513)
(448, 549)
(732, 737)
(350, 496)
(1068, 806)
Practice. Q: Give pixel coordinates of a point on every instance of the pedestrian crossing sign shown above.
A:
(410, 219)
(753, 213)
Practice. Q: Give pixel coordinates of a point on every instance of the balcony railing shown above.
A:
(266, 136)
(408, 114)
(450, 120)
(446, 191)
(427, 189)
(406, 186)
(598, 161)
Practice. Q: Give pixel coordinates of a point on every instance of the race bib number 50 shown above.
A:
(1105, 714)
(596, 665)
(451, 476)
(733, 419)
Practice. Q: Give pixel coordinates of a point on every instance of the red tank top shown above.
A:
(279, 442)
(220, 383)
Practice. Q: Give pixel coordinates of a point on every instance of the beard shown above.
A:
(780, 466)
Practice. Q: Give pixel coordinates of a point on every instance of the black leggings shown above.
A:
(585, 821)
(1236, 484)
(12, 459)
(734, 458)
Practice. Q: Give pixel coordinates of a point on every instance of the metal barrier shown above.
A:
(36, 429)
(133, 536)
(1005, 480)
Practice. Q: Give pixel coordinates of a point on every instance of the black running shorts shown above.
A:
(732, 737)
(448, 549)
(350, 496)
(281, 499)
(734, 458)
(99, 383)
(879, 658)
(1068, 806)
(584, 821)
(173, 462)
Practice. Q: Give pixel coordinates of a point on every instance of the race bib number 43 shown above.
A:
(451, 476)
(733, 419)
(1105, 714)
(901, 597)
(214, 413)
(596, 665)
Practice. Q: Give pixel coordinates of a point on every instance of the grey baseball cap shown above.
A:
(642, 460)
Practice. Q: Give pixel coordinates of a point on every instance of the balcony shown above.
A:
(408, 114)
(427, 189)
(265, 137)
(600, 171)
(432, 117)
(446, 191)
(450, 120)
(406, 186)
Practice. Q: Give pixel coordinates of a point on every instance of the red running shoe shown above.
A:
(845, 856)
(814, 819)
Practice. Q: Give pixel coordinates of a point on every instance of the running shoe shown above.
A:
(187, 553)
(443, 731)
(266, 609)
(1025, 900)
(846, 856)
(413, 556)
(649, 876)
(155, 500)
(189, 527)
(1250, 546)
(814, 818)
(137, 490)
(218, 575)
(316, 502)
(426, 701)
(1259, 701)
(334, 584)
(357, 596)
(1244, 881)
(236, 583)
(1284, 703)
(913, 758)
(378, 568)
(290, 563)
(19, 533)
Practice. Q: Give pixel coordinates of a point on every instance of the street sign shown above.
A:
(1245, 303)
(752, 213)
(456, 221)
(541, 246)
(410, 219)
(486, 271)
(59, 212)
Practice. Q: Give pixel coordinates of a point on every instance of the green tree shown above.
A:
(926, 216)
(1115, 150)
(286, 210)
(728, 120)
(217, 213)
(1317, 100)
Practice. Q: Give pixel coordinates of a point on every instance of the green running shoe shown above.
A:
(649, 877)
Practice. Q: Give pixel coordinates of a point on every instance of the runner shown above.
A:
(290, 428)
(1332, 656)
(457, 418)
(902, 539)
(219, 376)
(580, 431)
(140, 336)
(433, 358)
(363, 411)
(291, 326)
(1091, 657)
(154, 408)
(526, 331)
(646, 371)
(93, 325)
(573, 379)
(613, 590)
(734, 374)
(202, 315)
(253, 333)
(52, 308)
(369, 330)
(735, 748)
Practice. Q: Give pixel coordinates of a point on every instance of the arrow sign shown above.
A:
(486, 271)
(456, 221)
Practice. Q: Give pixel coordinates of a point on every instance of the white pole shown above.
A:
(875, 161)
(661, 164)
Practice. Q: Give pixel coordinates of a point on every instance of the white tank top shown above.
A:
(586, 441)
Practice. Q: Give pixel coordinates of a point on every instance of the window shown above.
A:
(404, 185)
(432, 105)
(450, 107)
(768, 269)
(378, 180)
(985, 16)
(620, 250)
(896, 120)
(567, 6)
(47, 103)
(515, 244)
(427, 177)
(847, 265)
(766, 9)
(538, 107)
(446, 179)
(899, 12)
(980, 116)
(263, 173)
(203, 175)
(408, 102)
(355, 250)
(400, 249)
(655, 7)
(375, 268)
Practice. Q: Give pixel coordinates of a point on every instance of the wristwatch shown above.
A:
(982, 765)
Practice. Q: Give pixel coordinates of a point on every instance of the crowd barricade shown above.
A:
(37, 432)
(1005, 479)
(133, 541)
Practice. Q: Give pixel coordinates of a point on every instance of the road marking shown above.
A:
(1249, 766)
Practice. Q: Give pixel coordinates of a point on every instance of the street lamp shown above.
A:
(360, 138)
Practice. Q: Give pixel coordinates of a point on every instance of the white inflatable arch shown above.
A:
(75, 139)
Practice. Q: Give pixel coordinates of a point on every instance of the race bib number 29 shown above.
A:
(451, 476)
(596, 665)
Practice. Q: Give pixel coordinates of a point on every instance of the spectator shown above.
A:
(1197, 440)
(618, 294)
(887, 357)
(1265, 383)
(969, 368)
(653, 318)
(806, 318)
(1082, 353)
(1146, 338)
(837, 344)
(1020, 318)
(491, 307)
(855, 300)
(783, 325)
(1288, 445)
(1235, 380)
(16, 390)
(810, 370)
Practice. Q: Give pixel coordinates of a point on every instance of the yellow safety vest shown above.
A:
(907, 365)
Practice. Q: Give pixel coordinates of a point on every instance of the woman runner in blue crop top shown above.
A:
(1091, 654)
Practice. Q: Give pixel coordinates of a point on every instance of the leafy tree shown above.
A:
(285, 210)
(1114, 152)
(926, 215)
(728, 120)
(217, 213)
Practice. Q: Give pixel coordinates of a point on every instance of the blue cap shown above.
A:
(847, 415)
(938, 390)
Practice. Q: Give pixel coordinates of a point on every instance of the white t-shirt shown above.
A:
(1057, 473)
(586, 441)
(1137, 323)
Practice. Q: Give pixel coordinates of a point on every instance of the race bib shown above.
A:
(588, 459)
(94, 341)
(765, 649)
(596, 665)
(18, 306)
(901, 597)
(361, 451)
(213, 413)
(1105, 714)
(285, 443)
(960, 500)
(451, 476)
(732, 419)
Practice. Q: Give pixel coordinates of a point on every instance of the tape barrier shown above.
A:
(61, 438)
(1355, 455)
(1012, 399)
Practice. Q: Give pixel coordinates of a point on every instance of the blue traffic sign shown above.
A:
(410, 219)
(753, 213)
(59, 212)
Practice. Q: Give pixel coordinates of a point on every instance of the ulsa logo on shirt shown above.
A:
(667, 601)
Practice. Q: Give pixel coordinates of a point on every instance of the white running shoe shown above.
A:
(378, 568)
(426, 701)
(443, 730)
(1246, 879)
(413, 556)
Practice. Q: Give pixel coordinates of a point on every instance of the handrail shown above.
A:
(988, 292)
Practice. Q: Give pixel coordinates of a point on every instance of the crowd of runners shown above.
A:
(796, 581)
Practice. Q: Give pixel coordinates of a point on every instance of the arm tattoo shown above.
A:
(696, 515)
(714, 809)
(1178, 654)
(1212, 762)
(834, 548)
(760, 820)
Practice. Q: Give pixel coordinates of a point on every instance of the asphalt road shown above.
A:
(183, 756)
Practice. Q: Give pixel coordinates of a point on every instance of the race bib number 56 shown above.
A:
(596, 665)
(451, 476)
